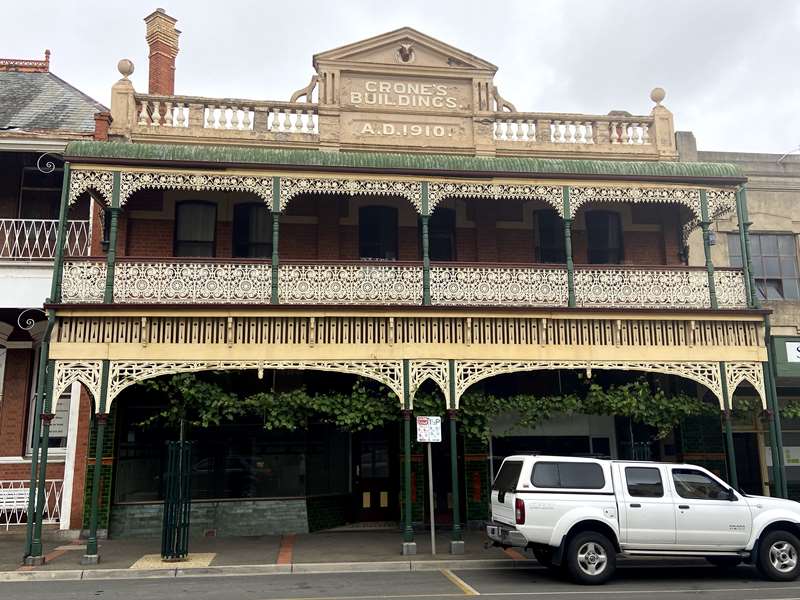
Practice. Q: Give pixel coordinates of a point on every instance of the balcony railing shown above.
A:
(378, 283)
(14, 501)
(35, 239)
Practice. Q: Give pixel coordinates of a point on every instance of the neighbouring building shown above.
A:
(39, 115)
(398, 223)
(773, 202)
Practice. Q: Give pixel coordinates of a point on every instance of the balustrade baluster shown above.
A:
(169, 115)
(156, 114)
(645, 133)
(512, 126)
(312, 126)
(144, 117)
(302, 118)
(246, 123)
(209, 120)
(181, 115)
(591, 134)
(614, 136)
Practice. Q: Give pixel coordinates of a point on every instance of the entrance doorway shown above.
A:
(376, 475)
(748, 471)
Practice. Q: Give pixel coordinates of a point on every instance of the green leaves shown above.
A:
(205, 403)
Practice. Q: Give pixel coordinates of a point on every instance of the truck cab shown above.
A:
(582, 513)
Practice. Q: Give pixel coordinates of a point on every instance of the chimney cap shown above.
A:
(159, 13)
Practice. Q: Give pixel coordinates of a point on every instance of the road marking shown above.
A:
(460, 583)
(514, 554)
(373, 597)
(286, 550)
(621, 592)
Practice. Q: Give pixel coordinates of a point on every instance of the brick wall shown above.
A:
(149, 237)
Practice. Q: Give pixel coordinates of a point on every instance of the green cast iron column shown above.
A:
(747, 257)
(730, 452)
(276, 220)
(704, 225)
(41, 377)
(568, 248)
(101, 417)
(776, 412)
(408, 527)
(749, 291)
(451, 417)
(46, 417)
(111, 256)
(426, 257)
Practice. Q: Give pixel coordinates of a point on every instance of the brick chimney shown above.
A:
(162, 38)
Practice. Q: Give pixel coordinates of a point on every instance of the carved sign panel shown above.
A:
(416, 130)
(413, 94)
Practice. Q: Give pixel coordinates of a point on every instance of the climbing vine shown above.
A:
(204, 402)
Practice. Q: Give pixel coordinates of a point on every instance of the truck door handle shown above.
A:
(636, 506)
(684, 506)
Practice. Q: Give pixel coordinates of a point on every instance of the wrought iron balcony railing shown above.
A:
(378, 283)
(35, 239)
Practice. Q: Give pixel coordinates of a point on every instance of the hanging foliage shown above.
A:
(205, 403)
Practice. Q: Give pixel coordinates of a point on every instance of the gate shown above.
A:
(177, 501)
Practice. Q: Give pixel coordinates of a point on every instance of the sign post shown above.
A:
(429, 429)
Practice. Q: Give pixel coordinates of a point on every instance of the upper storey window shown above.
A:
(377, 232)
(442, 235)
(195, 228)
(603, 237)
(774, 258)
(549, 237)
(252, 231)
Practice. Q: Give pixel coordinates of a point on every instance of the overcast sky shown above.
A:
(731, 68)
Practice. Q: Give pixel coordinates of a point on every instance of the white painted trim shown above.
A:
(69, 462)
(26, 460)
(24, 144)
(19, 345)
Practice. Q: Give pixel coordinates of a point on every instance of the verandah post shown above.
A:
(749, 291)
(704, 225)
(111, 256)
(568, 247)
(730, 450)
(91, 557)
(426, 258)
(456, 540)
(45, 417)
(409, 545)
(276, 218)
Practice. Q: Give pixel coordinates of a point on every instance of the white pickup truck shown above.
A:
(579, 514)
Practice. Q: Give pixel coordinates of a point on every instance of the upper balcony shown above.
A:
(188, 246)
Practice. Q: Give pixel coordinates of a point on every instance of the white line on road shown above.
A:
(460, 583)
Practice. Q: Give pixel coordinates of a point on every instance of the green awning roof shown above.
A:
(454, 164)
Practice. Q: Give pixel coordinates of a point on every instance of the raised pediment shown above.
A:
(404, 47)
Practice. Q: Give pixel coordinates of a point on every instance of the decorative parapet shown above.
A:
(498, 286)
(363, 283)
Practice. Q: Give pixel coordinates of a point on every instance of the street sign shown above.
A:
(429, 429)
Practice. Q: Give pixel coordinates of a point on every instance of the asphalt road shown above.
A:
(631, 583)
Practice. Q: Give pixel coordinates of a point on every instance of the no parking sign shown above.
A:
(429, 429)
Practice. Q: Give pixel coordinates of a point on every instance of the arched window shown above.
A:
(604, 238)
(377, 232)
(195, 228)
(252, 231)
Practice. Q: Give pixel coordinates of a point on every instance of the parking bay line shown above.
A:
(621, 592)
(460, 583)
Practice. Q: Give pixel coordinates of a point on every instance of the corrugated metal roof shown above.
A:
(42, 102)
(253, 156)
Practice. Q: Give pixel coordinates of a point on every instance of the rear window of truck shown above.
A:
(571, 475)
(507, 478)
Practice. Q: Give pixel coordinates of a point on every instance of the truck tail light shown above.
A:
(519, 511)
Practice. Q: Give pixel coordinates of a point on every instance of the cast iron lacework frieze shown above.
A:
(552, 194)
(435, 370)
(720, 202)
(67, 372)
(81, 180)
(689, 197)
(498, 286)
(132, 181)
(730, 289)
(294, 186)
(367, 283)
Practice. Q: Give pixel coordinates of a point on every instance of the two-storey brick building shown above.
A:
(397, 221)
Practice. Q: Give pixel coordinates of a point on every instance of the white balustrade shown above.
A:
(546, 128)
(31, 239)
(473, 285)
(364, 283)
(14, 494)
(183, 112)
(730, 288)
(641, 288)
(83, 281)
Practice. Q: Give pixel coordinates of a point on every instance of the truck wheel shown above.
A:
(591, 558)
(779, 556)
(724, 562)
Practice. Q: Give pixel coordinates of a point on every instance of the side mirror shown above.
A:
(732, 497)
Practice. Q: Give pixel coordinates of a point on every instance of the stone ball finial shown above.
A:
(657, 95)
(125, 67)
